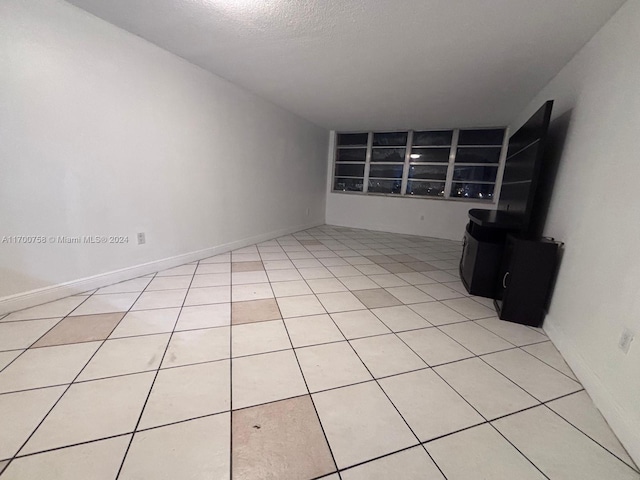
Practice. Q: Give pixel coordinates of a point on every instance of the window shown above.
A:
(434, 163)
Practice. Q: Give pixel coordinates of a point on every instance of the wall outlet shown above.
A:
(421, 217)
(625, 340)
(141, 239)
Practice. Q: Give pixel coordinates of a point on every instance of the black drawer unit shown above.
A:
(525, 278)
(481, 256)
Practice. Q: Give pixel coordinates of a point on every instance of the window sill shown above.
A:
(417, 197)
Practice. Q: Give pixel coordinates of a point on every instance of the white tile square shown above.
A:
(475, 338)
(470, 308)
(340, 302)
(244, 278)
(536, 377)
(259, 337)
(181, 270)
(548, 353)
(344, 271)
(21, 412)
(204, 316)
(290, 288)
(93, 410)
(512, 332)
(128, 286)
(211, 280)
(169, 283)
(359, 282)
(213, 268)
(318, 272)
(439, 291)
(486, 455)
(283, 275)
(43, 367)
(245, 257)
(21, 335)
(434, 347)
(415, 278)
(411, 464)
(162, 299)
(331, 365)
(354, 416)
(359, 323)
(196, 346)
(270, 265)
(187, 392)
(386, 355)
(303, 305)
(114, 302)
(146, 322)
(312, 330)
(163, 454)
(307, 262)
(273, 256)
(400, 318)
(7, 357)
(490, 392)
(222, 258)
(253, 291)
(437, 313)
(326, 285)
(373, 270)
(430, 406)
(409, 294)
(559, 449)
(208, 295)
(266, 378)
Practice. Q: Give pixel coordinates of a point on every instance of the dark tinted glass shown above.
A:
(472, 190)
(348, 184)
(351, 154)
(430, 172)
(429, 189)
(346, 139)
(478, 155)
(391, 139)
(349, 170)
(478, 174)
(385, 186)
(430, 154)
(432, 138)
(481, 137)
(387, 154)
(386, 171)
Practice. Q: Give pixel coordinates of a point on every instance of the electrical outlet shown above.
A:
(625, 340)
(421, 217)
(141, 239)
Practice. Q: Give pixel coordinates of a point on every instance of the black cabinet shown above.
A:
(481, 257)
(524, 280)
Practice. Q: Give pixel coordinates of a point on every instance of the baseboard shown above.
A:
(55, 292)
(628, 434)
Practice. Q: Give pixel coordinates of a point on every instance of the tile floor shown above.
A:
(332, 353)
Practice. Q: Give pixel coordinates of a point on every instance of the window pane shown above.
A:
(391, 139)
(431, 172)
(387, 154)
(478, 174)
(351, 154)
(386, 171)
(349, 170)
(385, 186)
(472, 190)
(481, 137)
(430, 189)
(478, 155)
(347, 139)
(348, 184)
(430, 154)
(432, 138)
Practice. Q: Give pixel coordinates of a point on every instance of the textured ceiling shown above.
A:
(369, 64)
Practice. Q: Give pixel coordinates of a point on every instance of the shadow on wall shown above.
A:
(553, 152)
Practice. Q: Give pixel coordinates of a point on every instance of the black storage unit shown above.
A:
(480, 263)
(524, 282)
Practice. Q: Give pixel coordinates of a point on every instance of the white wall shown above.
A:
(595, 210)
(103, 133)
(412, 216)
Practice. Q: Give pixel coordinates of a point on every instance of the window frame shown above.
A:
(405, 179)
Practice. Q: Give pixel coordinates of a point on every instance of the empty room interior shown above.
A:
(339, 239)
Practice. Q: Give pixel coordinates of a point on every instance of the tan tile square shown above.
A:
(282, 438)
(246, 266)
(93, 410)
(20, 335)
(265, 378)
(187, 392)
(377, 297)
(86, 328)
(254, 311)
(96, 461)
(197, 449)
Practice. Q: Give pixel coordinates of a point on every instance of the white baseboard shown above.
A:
(628, 434)
(54, 292)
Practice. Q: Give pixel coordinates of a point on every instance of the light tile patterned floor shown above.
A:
(332, 353)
